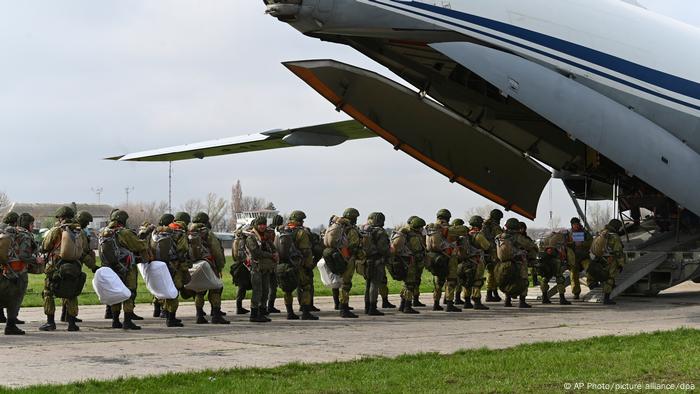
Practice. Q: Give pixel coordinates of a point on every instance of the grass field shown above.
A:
(661, 358)
(88, 297)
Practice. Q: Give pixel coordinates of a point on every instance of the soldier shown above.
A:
(22, 253)
(145, 232)
(609, 252)
(212, 252)
(262, 258)
(353, 252)
(9, 220)
(66, 230)
(84, 219)
(578, 252)
(420, 267)
(122, 243)
(443, 261)
(409, 245)
(377, 251)
(240, 273)
(552, 255)
(532, 252)
(460, 238)
(277, 221)
(296, 264)
(513, 251)
(491, 229)
(479, 247)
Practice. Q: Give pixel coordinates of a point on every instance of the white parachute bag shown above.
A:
(109, 288)
(158, 280)
(203, 278)
(328, 278)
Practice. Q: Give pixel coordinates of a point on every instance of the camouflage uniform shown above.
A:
(304, 267)
(449, 279)
(578, 253)
(377, 252)
(178, 264)
(480, 245)
(217, 260)
(614, 257)
(414, 253)
(491, 229)
(552, 254)
(14, 277)
(262, 256)
(277, 222)
(352, 251)
(523, 253)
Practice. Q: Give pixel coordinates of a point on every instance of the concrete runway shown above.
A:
(99, 352)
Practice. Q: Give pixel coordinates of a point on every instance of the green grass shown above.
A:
(662, 358)
(88, 297)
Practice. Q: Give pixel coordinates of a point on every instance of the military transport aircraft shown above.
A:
(603, 92)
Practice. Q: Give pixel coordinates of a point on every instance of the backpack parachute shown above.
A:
(335, 261)
(68, 279)
(435, 238)
(240, 273)
(286, 246)
(506, 249)
(112, 254)
(71, 247)
(599, 247)
(335, 237)
(316, 246)
(197, 237)
(163, 244)
(507, 276)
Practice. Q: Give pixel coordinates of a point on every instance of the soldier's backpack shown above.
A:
(507, 276)
(597, 270)
(112, 254)
(287, 248)
(335, 237)
(5, 245)
(335, 261)
(163, 244)
(240, 273)
(316, 246)
(437, 263)
(71, 247)
(68, 279)
(197, 238)
(599, 247)
(435, 239)
(401, 255)
(287, 277)
(238, 249)
(505, 247)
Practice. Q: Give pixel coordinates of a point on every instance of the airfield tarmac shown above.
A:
(100, 352)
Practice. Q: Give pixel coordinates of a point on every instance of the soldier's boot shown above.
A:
(163, 313)
(200, 316)
(545, 298)
(402, 305)
(271, 308)
(12, 329)
(78, 320)
(373, 311)
(217, 317)
(290, 312)
(71, 324)
(306, 313)
(134, 316)
(478, 305)
(222, 313)
(508, 302)
(408, 309)
(436, 306)
(607, 300)
(367, 307)
(336, 298)
(451, 307)
(240, 310)
(563, 300)
(3, 318)
(577, 296)
(458, 298)
(16, 321)
(156, 309)
(467, 303)
(496, 297)
(416, 301)
(108, 312)
(523, 304)
(50, 324)
(173, 321)
(129, 324)
(115, 321)
(346, 313)
(256, 317)
(489, 296)
(312, 308)
(64, 313)
(386, 304)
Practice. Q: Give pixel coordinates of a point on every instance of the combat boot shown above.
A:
(256, 317)
(240, 310)
(402, 305)
(63, 314)
(134, 316)
(523, 304)
(200, 316)
(336, 298)
(496, 297)
(451, 307)
(408, 309)
(71, 323)
(458, 298)
(16, 321)
(607, 300)
(290, 312)
(12, 329)
(220, 312)
(416, 301)
(115, 321)
(129, 324)
(156, 309)
(508, 302)
(306, 313)
(346, 313)
(173, 321)
(271, 308)
(373, 311)
(436, 306)
(467, 303)
(545, 298)
(108, 312)
(50, 324)
(3, 318)
(386, 304)
(478, 305)
(489, 296)
(562, 300)
(312, 308)
(217, 317)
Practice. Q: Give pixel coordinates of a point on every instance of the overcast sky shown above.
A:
(82, 79)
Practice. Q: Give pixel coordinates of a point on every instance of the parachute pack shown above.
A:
(335, 236)
(71, 246)
(68, 280)
(112, 254)
(506, 248)
(197, 236)
(435, 238)
(239, 253)
(507, 276)
(163, 244)
(316, 246)
(599, 247)
(402, 256)
(287, 248)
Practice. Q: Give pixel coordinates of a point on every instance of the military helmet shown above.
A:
(416, 222)
(444, 214)
(615, 224)
(200, 217)
(11, 218)
(410, 218)
(458, 222)
(575, 220)
(65, 213)
(259, 220)
(25, 220)
(496, 214)
(476, 221)
(523, 226)
(183, 217)
(351, 213)
(166, 219)
(297, 216)
(84, 218)
(376, 218)
(513, 224)
(119, 216)
(278, 220)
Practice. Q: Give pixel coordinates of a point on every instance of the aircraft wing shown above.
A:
(329, 134)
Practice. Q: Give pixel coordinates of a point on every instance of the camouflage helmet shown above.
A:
(183, 217)
(11, 218)
(200, 217)
(25, 220)
(496, 214)
(84, 218)
(575, 220)
(444, 214)
(297, 216)
(410, 218)
(119, 216)
(615, 224)
(65, 213)
(458, 222)
(376, 218)
(512, 224)
(351, 213)
(166, 219)
(476, 221)
(416, 222)
(523, 226)
(259, 220)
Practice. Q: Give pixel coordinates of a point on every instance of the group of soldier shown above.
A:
(461, 258)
